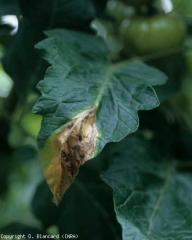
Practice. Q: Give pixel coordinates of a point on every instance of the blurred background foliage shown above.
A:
(87, 208)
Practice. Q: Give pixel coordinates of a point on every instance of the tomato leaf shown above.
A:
(86, 102)
(152, 195)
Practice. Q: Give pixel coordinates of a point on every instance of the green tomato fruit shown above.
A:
(154, 34)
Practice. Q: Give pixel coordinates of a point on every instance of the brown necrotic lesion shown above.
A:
(77, 143)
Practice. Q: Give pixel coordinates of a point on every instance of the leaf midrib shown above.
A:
(169, 172)
(110, 69)
(103, 85)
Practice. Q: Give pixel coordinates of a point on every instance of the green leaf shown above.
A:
(152, 195)
(81, 77)
(86, 102)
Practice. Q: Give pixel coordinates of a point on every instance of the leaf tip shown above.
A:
(67, 150)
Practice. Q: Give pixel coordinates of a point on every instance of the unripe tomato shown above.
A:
(154, 34)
